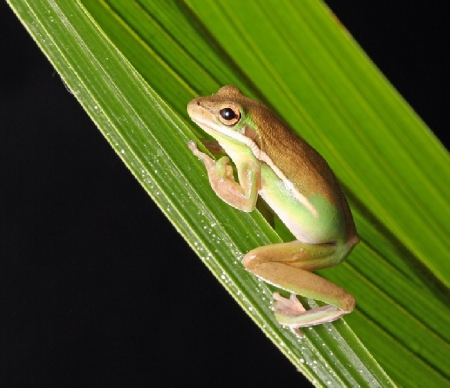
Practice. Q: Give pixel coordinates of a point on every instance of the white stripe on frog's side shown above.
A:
(213, 128)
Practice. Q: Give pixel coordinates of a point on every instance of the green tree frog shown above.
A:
(297, 184)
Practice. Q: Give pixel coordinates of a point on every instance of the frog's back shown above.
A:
(310, 176)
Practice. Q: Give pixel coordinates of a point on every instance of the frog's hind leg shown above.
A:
(288, 266)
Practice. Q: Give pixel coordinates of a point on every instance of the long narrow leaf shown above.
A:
(109, 53)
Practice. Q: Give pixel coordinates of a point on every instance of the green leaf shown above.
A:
(134, 65)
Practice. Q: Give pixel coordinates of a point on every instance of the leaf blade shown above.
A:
(125, 86)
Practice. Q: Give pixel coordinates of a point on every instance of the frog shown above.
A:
(274, 163)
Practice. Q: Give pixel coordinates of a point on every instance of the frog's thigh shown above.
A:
(288, 266)
(296, 254)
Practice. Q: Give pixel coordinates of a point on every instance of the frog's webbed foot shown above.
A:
(201, 155)
(288, 307)
(291, 313)
(217, 170)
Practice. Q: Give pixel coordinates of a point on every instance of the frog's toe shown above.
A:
(287, 307)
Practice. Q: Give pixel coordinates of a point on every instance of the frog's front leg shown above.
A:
(288, 266)
(241, 196)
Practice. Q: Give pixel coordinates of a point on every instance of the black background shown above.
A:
(96, 287)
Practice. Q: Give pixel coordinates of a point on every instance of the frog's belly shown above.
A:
(313, 220)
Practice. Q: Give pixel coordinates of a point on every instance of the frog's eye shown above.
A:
(229, 115)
